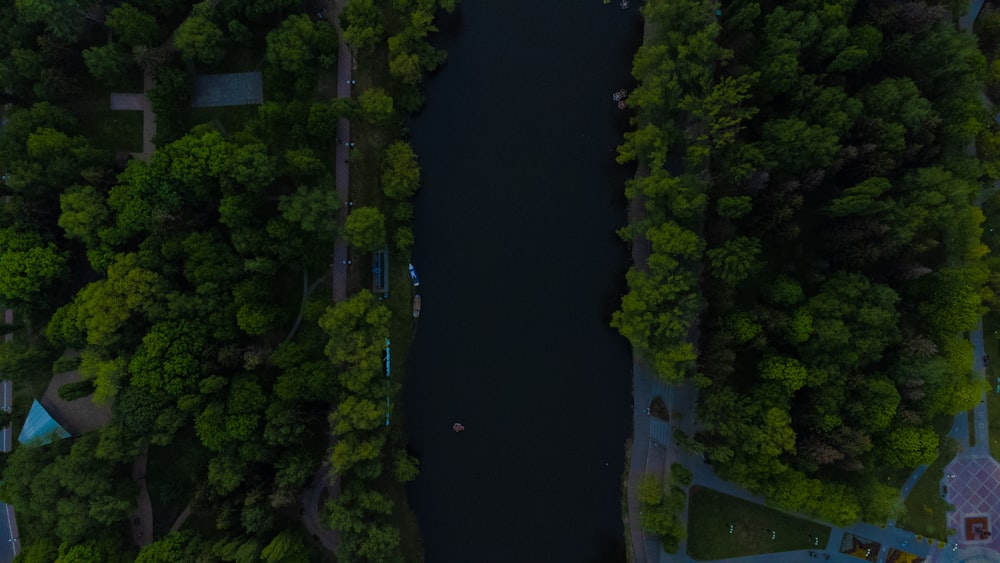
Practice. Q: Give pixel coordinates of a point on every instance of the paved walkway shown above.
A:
(140, 102)
(321, 481)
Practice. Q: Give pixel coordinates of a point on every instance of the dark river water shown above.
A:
(520, 269)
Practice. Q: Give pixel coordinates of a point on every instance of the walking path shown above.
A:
(321, 481)
(140, 102)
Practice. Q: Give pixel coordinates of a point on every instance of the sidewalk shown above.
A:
(322, 479)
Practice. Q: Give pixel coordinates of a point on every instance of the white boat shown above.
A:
(416, 306)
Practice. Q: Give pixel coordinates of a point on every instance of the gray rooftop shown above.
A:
(233, 89)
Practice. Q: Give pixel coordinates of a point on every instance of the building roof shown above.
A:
(40, 427)
(233, 89)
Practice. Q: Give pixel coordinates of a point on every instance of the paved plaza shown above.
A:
(973, 485)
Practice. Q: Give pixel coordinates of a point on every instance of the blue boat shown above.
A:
(413, 276)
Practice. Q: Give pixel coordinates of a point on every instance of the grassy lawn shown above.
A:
(106, 128)
(710, 513)
(173, 473)
(113, 130)
(925, 509)
(229, 119)
(991, 329)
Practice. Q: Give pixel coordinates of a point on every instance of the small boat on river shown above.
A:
(416, 306)
(413, 276)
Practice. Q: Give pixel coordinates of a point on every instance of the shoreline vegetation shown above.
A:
(817, 251)
(177, 279)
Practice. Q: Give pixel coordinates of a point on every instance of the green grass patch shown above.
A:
(228, 119)
(115, 130)
(991, 345)
(925, 509)
(171, 484)
(711, 513)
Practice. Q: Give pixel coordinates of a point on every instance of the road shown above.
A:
(10, 542)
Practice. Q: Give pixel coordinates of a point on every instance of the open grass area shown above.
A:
(229, 119)
(711, 513)
(113, 130)
(991, 343)
(173, 473)
(925, 509)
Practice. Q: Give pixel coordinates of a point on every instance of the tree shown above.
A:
(361, 21)
(167, 361)
(406, 467)
(299, 44)
(312, 208)
(169, 97)
(789, 372)
(854, 320)
(908, 447)
(286, 547)
(795, 145)
(84, 213)
(107, 63)
(376, 106)
(734, 207)
(400, 171)
(175, 546)
(133, 26)
(735, 260)
(64, 19)
(365, 229)
(28, 265)
(198, 39)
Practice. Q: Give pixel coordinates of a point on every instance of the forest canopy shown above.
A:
(812, 211)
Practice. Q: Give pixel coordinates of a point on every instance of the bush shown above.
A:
(680, 476)
(64, 364)
(74, 391)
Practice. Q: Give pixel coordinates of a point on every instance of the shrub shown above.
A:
(74, 391)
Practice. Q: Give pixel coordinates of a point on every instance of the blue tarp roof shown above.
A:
(40, 426)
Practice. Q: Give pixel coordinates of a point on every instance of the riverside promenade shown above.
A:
(323, 480)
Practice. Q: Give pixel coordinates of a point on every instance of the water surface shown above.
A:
(520, 270)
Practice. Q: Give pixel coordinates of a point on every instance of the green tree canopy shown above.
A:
(365, 229)
(198, 39)
(400, 171)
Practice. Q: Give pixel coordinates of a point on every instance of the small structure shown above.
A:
(380, 272)
(231, 89)
(39, 428)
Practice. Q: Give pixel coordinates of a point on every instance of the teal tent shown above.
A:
(40, 426)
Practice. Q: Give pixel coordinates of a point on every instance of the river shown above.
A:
(520, 270)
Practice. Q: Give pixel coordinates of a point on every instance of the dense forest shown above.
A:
(192, 289)
(813, 214)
